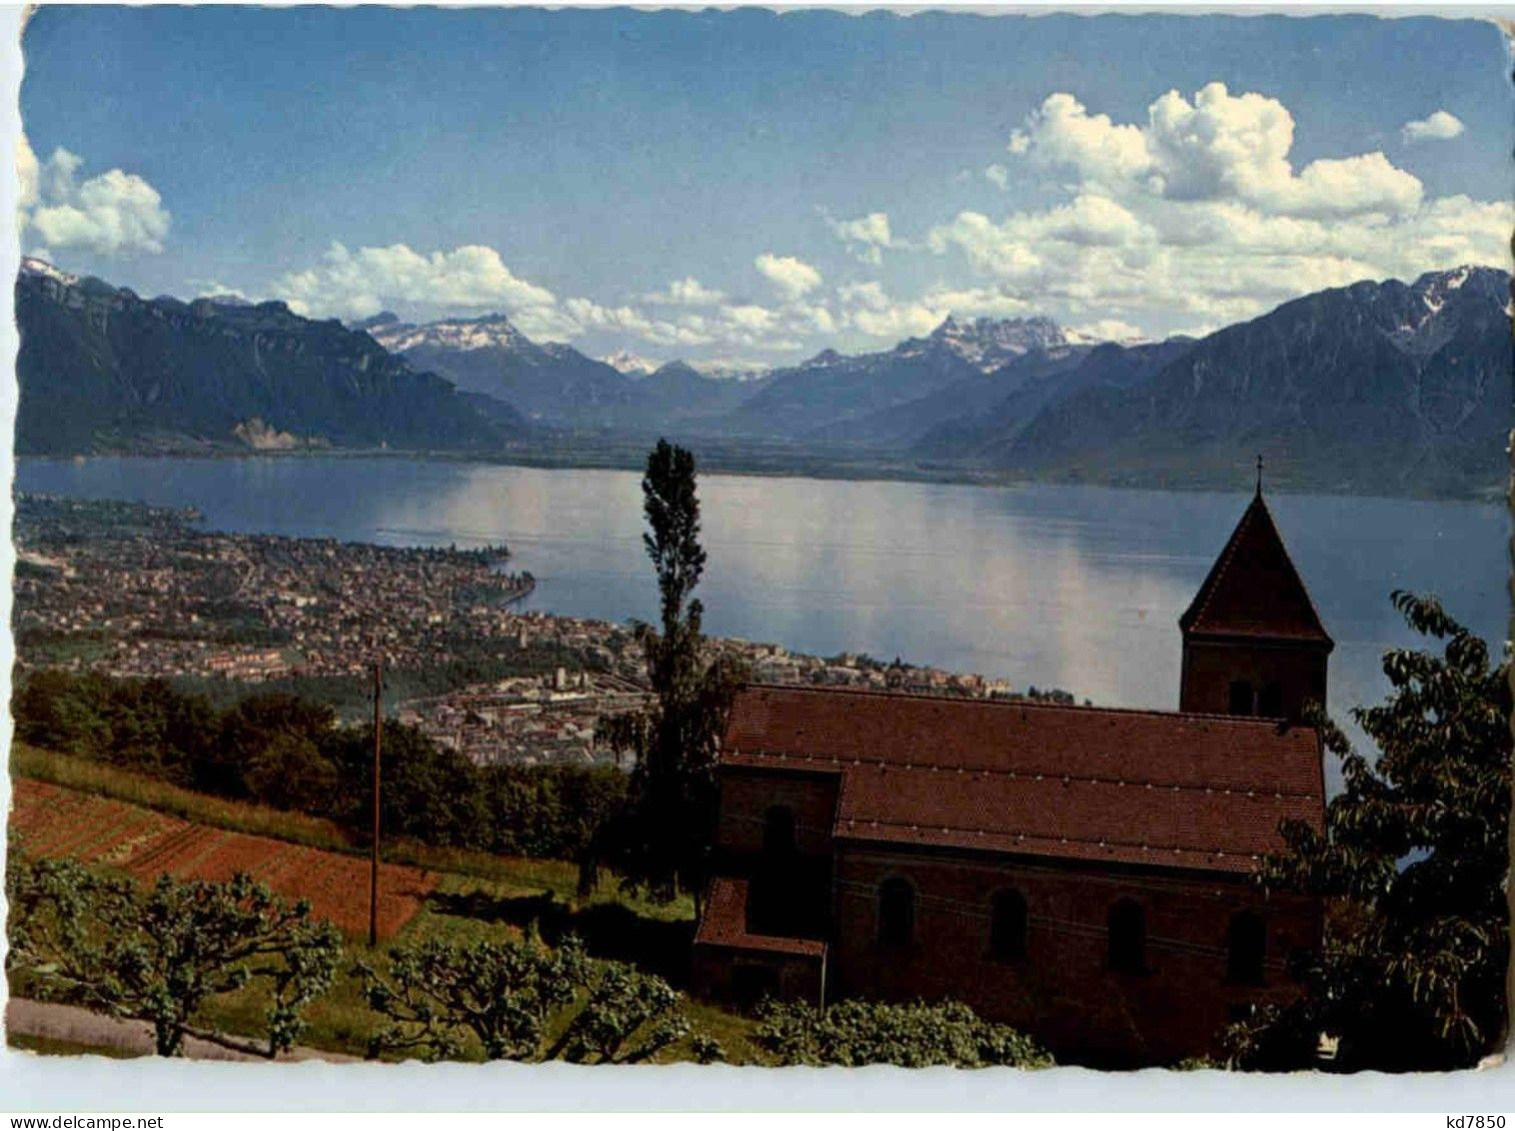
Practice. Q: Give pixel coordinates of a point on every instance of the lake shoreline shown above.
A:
(1074, 587)
(725, 464)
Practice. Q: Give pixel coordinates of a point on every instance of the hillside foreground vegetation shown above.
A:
(498, 922)
(478, 900)
(555, 909)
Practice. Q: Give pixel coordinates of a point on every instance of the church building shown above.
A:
(1082, 873)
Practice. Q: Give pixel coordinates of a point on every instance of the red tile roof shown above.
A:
(1253, 588)
(724, 923)
(1140, 787)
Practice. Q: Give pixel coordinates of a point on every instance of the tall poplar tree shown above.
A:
(661, 843)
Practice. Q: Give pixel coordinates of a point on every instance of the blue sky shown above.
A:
(752, 187)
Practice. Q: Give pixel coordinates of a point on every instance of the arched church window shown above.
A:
(1241, 697)
(1246, 946)
(1007, 925)
(896, 912)
(778, 832)
(1128, 937)
(1270, 703)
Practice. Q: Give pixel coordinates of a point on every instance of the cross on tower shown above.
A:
(1259, 473)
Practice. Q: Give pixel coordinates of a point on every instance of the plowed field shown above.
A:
(54, 821)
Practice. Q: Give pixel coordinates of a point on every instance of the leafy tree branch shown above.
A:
(159, 955)
(523, 1001)
(913, 1035)
(1411, 866)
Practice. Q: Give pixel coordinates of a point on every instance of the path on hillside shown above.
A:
(80, 1026)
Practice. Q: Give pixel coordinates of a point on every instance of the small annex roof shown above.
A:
(1253, 588)
(724, 924)
(1156, 788)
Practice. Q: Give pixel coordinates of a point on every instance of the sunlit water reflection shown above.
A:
(1072, 587)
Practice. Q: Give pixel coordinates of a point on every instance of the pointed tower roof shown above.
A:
(1253, 588)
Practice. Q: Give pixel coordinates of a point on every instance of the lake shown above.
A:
(1072, 587)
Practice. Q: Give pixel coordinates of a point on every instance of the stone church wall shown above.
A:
(1063, 990)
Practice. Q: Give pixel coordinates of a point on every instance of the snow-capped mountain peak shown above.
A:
(1455, 279)
(631, 364)
(987, 343)
(1437, 287)
(491, 331)
(1439, 300)
(45, 270)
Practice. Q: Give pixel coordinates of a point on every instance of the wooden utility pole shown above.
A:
(373, 871)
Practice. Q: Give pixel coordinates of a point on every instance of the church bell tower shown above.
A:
(1253, 641)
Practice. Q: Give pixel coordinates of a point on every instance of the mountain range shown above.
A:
(1375, 387)
(101, 369)
(1382, 387)
(554, 384)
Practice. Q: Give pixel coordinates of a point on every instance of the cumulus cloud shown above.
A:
(867, 308)
(1061, 132)
(978, 302)
(214, 288)
(114, 213)
(1219, 146)
(866, 296)
(1107, 330)
(687, 291)
(867, 237)
(584, 314)
(792, 278)
(688, 315)
(1196, 217)
(1191, 217)
(1205, 263)
(731, 326)
(28, 172)
(757, 319)
(358, 283)
(1091, 220)
(1025, 244)
(1350, 186)
(1440, 126)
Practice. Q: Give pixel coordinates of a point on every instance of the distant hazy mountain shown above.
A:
(830, 398)
(557, 386)
(907, 423)
(552, 384)
(102, 369)
(679, 393)
(996, 411)
(892, 398)
(1373, 387)
(830, 389)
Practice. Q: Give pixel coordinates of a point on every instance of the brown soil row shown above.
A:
(56, 822)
